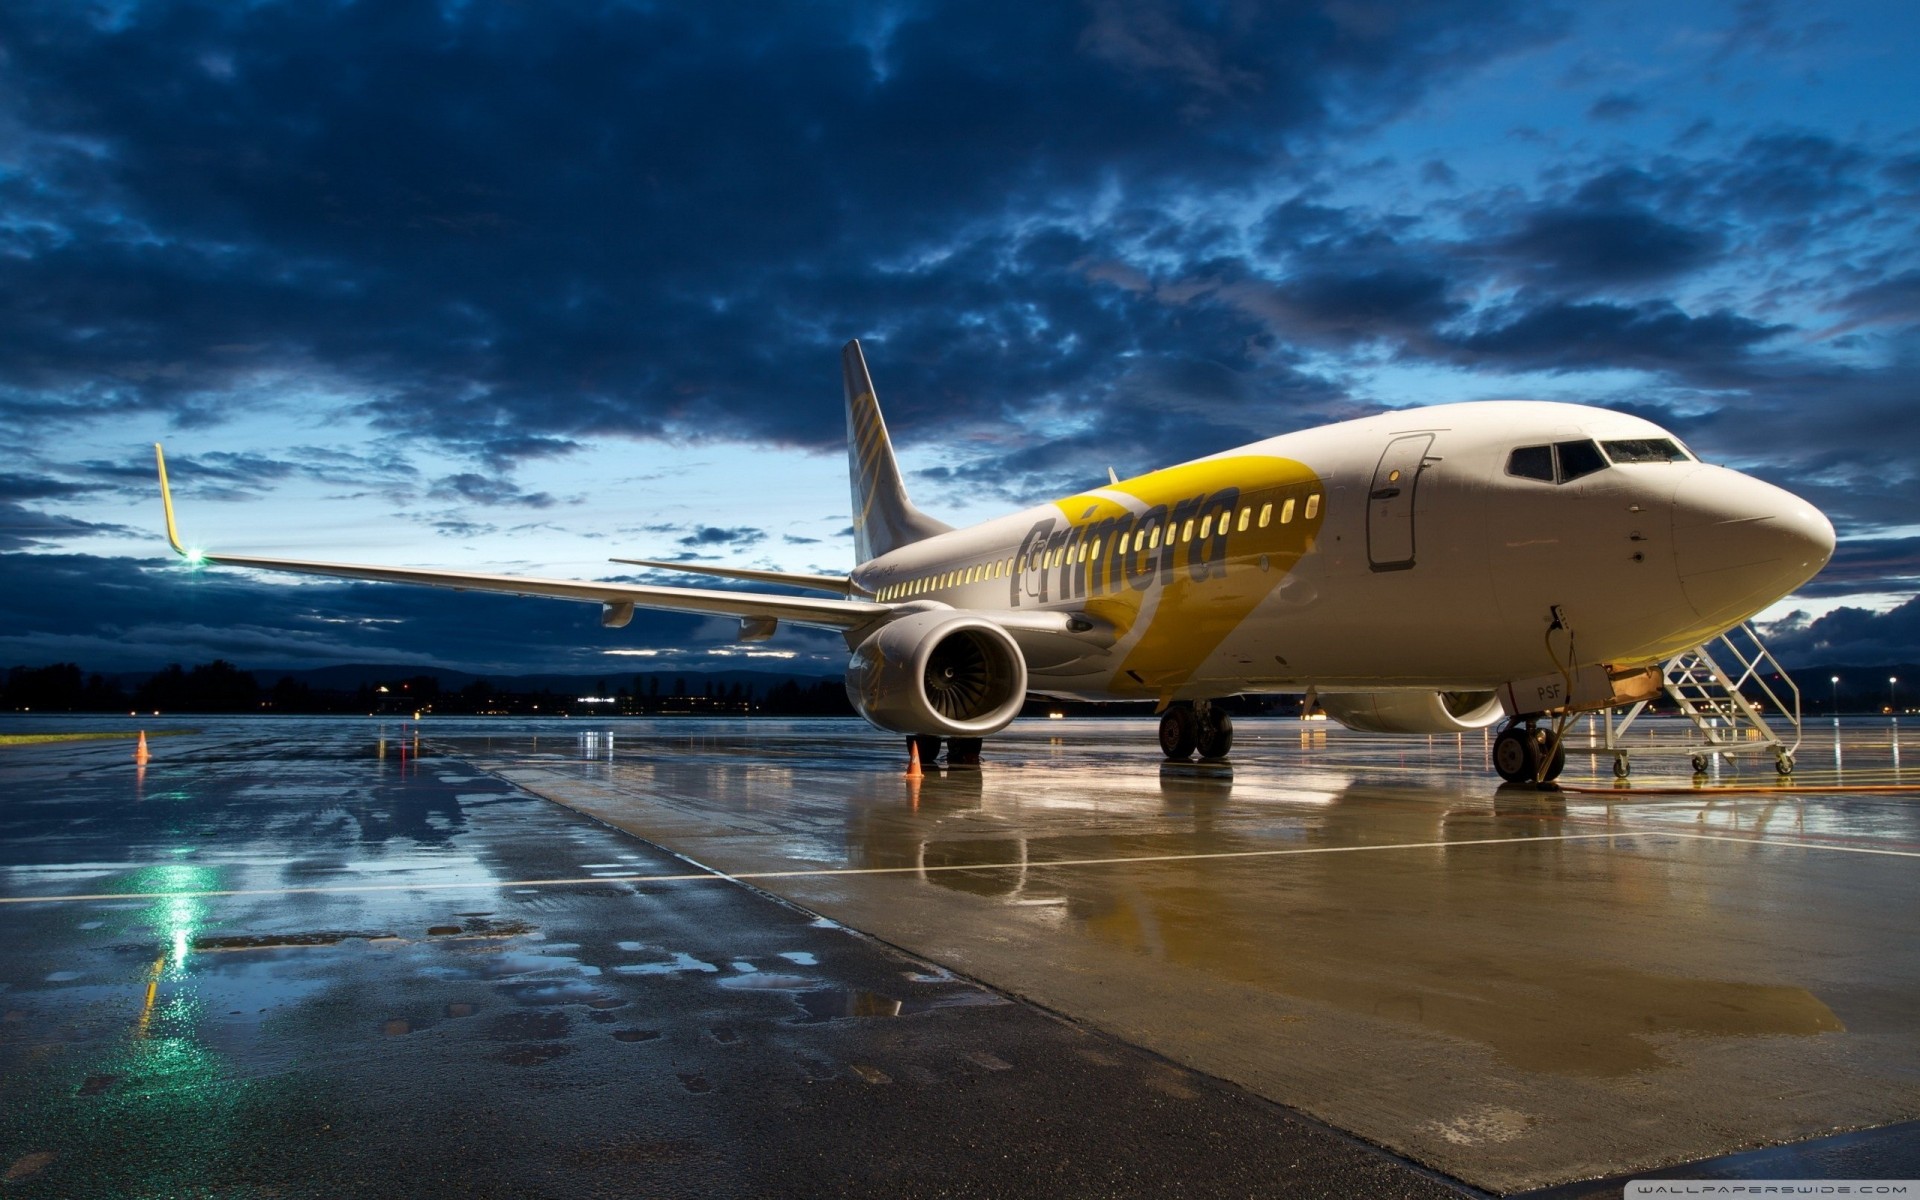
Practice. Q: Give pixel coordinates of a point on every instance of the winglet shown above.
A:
(166, 500)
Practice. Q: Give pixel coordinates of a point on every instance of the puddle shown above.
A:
(460, 1010)
(834, 1004)
(681, 961)
(635, 1035)
(799, 958)
(277, 941)
(759, 981)
(557, 991)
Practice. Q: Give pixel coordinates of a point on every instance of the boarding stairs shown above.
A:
(1738, 697)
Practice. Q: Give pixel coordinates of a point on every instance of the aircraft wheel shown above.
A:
(1179, 733)
(1700, 764)
(929, 744)
(1621, 767)
(1559, 762)
(1216, 734)
(1516, 755)
(1784, 764)
(964, 752)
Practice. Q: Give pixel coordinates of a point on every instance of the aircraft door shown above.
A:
(1390, 502)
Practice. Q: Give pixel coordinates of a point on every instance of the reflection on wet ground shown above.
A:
(306, 958)
(1518, 987)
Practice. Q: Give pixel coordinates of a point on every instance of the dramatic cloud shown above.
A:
(436, 257)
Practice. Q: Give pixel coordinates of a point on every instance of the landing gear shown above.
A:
(1200, 726)
(961, 752)
(1519, 751)
(928, 744)
(1179, 733)
(1216, 733)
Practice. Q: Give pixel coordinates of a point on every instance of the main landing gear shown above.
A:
(961, 752)
(1185, 728)
(1520, 751)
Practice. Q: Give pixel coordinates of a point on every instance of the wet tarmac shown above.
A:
(322, 957)
(317, 960)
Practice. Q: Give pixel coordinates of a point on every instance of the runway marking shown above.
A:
(829, 872)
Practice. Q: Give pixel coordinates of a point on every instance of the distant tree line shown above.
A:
(221, 687)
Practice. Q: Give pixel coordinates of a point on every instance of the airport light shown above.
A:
(1835, 681)
(1892, 705)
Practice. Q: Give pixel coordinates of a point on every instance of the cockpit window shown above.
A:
(1532, 462)
(1645, 450)
(1577, 459)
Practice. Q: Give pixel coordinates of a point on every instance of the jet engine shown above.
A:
(947, 673)
(1406, 711)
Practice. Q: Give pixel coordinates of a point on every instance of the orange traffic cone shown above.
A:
(140, 754)
(913, 759)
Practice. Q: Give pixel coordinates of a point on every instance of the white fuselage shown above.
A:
(1412, 555)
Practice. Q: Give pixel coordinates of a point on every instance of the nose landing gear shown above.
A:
(1520, 752)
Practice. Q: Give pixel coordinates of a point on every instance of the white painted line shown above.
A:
(829, 872)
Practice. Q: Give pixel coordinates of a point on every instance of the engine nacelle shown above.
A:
(946, 673)
(1407, 711)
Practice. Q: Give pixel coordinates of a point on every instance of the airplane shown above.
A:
(1429, 570)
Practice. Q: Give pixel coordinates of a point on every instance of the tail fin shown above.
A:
(883, 518)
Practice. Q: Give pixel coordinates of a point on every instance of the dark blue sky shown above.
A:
(523, 287)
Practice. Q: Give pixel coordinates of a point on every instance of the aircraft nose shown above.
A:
(1741, 544)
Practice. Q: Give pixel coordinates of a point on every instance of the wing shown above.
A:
(839, 585)
(619, 598)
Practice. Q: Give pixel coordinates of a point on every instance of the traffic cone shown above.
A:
(913, 759)
(140, 754)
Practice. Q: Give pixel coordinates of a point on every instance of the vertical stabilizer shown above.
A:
(883, 518)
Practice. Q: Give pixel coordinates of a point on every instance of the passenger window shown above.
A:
(1286, 511)
(1532, 462)
(1186, 534)
(1313, 506)
(1206, 528)
(1266, 515)
(1246, 514)
(1153, 539)
(1578, 459)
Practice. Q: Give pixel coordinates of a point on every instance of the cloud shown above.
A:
(23, 528)
(709, 535)
(488, 490)
(1615, 106)
(1654, 336)
(508, 229)
(1852, 637)
(1583, 247)
(115, 614)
